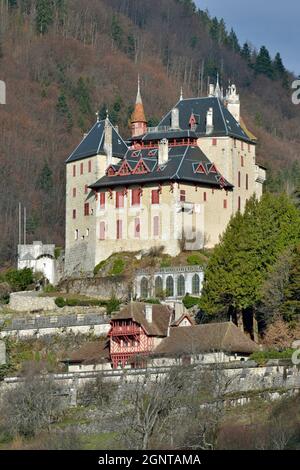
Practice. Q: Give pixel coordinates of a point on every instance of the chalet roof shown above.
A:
(93, 144)
(93, 352)
(161, 316)
(180, 167)
(225, 337)
(223, 121)
(183, 317)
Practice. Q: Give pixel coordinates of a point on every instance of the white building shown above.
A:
(39, 258)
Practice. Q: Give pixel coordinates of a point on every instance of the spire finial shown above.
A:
(139, 96)
(181, 94)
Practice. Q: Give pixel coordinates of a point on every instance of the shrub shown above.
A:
(49, 288)
(261, 357)
(19, 279)
(189, 301)
(118, 267)
(151, 301)
(60, 302)
(57, 252)
(194, 260)
(112, 305)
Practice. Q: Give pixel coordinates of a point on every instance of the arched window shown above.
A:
(144, 288)
(170, 286)
(158, 286)
(195, 284)
(180, 286)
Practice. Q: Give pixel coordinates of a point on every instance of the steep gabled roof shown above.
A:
(180, 167)
(135, 311)
(93, 144)
(212, 337)
(223, 121)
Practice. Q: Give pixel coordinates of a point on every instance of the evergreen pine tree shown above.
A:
(214, 29)
(233, 41)
(291, 306)
(44, 15)
(263, 64)
(246, 53)
(45, 179)
(83, 97)
(116, 31)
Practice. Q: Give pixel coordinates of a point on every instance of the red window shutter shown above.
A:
(214, 141)
(225, 203)
(247, 182)
(239, 179)
(81, 168)
(182, 195)
(102, 230)
(74, 192)
(155, 196)
(102, 200)
(137, 228)
(90, 166)
(135, 197)
(86, 209)
(119, 199)
(74, 213)
(204, 196)
(74, 170)
(119, 229)
(156, 226)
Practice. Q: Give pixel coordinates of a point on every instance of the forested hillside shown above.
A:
(62, 60)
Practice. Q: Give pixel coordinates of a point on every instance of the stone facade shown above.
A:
(30, 301)
(40, 258)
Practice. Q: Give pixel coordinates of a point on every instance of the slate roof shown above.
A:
(212, 337)
(166, 134)
(224, 123)
(161, 316)
(180, 167)
(93, 352)
(93, 144)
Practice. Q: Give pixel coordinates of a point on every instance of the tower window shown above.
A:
(76, 234)
(119, 229)
(204, 196)
(74, 170)
(135, 197)
(214, 142)
(247, 182)
(74, 192)
(137, 228)
(119, 199)
(102, 201)
(155, 196)
(239, 179)
(81, 168)
(74, 213)
(225, 204)
(182, 196)
(90, 166)
(86, 209)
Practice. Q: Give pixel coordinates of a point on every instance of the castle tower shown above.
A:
(138, 119)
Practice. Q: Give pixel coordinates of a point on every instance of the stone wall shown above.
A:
(98, 287)
(2, 353)
(30, 301)
(37, 326)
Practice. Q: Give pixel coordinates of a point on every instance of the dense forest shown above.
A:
(62, 60)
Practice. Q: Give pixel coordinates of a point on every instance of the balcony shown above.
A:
(128, 330)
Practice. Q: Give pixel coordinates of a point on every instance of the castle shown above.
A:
(176, 185)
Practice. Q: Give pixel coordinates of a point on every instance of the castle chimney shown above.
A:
(149, 312)
(163, 151)
(210, 121)
(108, 141)
(175, 118)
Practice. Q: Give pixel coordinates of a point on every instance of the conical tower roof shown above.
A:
(138, 114)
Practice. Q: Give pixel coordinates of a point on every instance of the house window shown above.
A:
(102, 201)
(76, 234)
(158, 286)
(102, 231)
(214, 142)
(239, 179)
(135, 197)
(155, 196)
(239, 203)
(247, 181)
(86, 209)
(180, 286)
(81, 168)
(196, 284)
(182, 195)
(86, 189)
(74, 213)
(156, 226)
(204, 196)
(74, 170)
(242, 161)
(119, 229)
(90, 166)
(119, 199)
(74, 192)
(225, 204)
(137, 228)
(170, 286)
